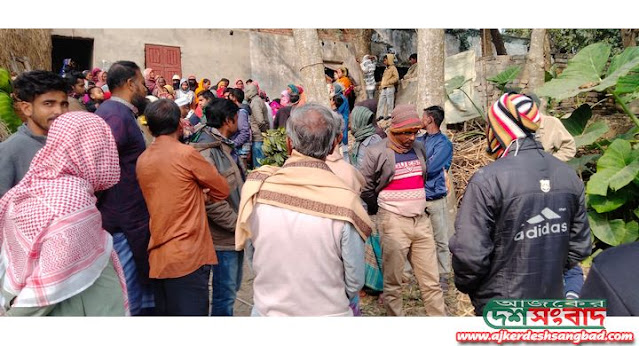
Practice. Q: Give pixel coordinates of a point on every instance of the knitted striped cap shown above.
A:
(405, 117)
(512, 117)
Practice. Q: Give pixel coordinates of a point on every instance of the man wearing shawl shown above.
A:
(522, 222)
(395, 172)
(55, 257)
(306, 225)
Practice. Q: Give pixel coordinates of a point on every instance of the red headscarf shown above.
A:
(53, 245)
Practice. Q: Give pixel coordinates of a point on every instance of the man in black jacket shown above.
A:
(614, 278)
(522, 222)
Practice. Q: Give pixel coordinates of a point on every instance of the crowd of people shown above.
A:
(128, 193)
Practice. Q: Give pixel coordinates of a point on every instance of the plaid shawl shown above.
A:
(52, 244)
(305, 185)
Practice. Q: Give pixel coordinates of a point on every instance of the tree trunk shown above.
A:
(486, 43)
(311, 65)
(629, 37)
(430, 55)
(362, 46)
(533, 76)
(498, 41)
(547, 54)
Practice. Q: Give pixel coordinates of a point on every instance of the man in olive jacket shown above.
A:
(217, 148)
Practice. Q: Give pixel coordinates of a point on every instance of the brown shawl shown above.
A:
(304, 185)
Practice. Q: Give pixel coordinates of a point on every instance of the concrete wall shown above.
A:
(206, 53)
(270, 59)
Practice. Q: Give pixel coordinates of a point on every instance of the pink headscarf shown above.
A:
(100, 83)
(94, 74)
(148, 81)
(51, 232)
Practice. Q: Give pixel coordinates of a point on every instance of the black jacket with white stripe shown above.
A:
(521, 224)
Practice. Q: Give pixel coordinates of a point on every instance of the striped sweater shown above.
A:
(405, 194)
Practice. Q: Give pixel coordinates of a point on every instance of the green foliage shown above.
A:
(584, 134)
(585, 72)
(582, 163)
(618, 167)
(7, 114)
(274, 147)
(613, 232)
(573, 40)
(505, 77)
(612, 192)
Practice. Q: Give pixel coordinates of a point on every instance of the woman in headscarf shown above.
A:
(149, 80)
(95, 75)
(204, 84)
(160, 82)
(184, 91)
(340, 105)
(221, 87)
(102, 80)
(363, 130)
(239, 84)
(56, 259)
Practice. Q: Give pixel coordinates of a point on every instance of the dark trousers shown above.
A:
(184, 296)
(227, 278)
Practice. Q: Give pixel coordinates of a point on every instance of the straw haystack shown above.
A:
(35, 44)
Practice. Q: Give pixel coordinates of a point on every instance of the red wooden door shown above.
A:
(165, 60)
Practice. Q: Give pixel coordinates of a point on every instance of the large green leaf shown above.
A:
(579, 163)
(617, 168)
(637, 213)
(604, 204)
(615, 76)
(628, 84)
(613, 232)
(454, 83)
(582, 73)
(591, 133)
(623, 58)
(630, 134)
(576, 123)
(506, 76)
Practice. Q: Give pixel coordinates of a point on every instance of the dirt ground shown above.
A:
(457, 304)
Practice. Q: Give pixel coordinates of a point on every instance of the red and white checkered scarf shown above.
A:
(52, 244)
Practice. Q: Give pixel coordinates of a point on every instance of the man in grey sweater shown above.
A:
(41, 97)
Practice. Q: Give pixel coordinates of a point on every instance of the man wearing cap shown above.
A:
(395, 172)
(522, 222)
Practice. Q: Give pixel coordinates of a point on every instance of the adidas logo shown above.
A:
(540, 230)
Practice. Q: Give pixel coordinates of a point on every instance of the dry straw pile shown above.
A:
(469, 155)
(32, 43)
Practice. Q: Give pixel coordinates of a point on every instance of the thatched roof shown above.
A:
(32, 43)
